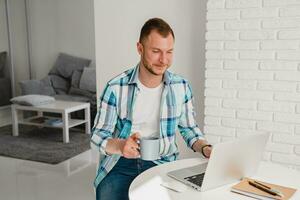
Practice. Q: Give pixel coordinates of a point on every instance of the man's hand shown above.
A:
(201, 146)
(207, 151)
(129, 148)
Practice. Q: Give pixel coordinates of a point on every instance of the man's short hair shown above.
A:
(156, 24)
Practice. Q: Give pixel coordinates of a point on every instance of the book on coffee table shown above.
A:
(54, 122)
(39, 120)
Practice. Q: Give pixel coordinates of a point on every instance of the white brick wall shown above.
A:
(253, 74)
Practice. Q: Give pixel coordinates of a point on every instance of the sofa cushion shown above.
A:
(32, 100)
(75, 80)
(59, 91)
(72, 98)
(60, 84)
(66, 64)
(42, 87)
(80, 92)
(88, 79)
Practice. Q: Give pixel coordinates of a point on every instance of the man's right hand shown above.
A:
(129, 148)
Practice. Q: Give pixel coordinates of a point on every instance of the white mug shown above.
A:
(149, 148)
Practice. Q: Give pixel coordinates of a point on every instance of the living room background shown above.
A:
(53, 26)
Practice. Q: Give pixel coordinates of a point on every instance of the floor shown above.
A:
(69, 180)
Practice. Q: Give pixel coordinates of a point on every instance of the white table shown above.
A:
(65, 108)
(147, 185)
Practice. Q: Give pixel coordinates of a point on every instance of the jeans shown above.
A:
(116, 184)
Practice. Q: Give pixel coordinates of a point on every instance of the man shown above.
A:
(144, 101)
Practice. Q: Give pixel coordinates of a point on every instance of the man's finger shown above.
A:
(135, 136)
(133, 153)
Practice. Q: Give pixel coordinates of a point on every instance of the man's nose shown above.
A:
(163, 59)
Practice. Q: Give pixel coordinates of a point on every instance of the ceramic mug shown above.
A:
(149, 148)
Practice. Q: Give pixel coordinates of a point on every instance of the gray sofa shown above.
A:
(5, 82)
(70, 79)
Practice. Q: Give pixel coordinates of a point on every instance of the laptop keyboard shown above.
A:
(196, 179)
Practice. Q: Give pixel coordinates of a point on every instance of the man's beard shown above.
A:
(149, 67)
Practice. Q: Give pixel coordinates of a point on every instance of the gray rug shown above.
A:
(41, 144)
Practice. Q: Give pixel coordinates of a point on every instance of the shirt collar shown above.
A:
(135, 75)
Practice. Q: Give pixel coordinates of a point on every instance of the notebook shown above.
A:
(244, 188)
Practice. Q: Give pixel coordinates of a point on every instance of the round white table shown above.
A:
(147, 186)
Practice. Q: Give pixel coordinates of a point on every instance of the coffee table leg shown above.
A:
(65, 127)
(88, 118)
(14, 114)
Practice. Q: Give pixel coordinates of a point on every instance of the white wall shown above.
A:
(253, 73)
(19, 42)
(19, 47)
(4, 36)
(4, 111)
(117, 28)
(3, 30)
(60, 26)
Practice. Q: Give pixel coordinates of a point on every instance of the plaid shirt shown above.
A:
(114, 118)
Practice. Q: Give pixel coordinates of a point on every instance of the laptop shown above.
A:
(229, 162)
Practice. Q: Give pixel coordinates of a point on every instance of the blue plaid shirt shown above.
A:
(114, 118)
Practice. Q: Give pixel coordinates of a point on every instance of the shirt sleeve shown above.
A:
(105, 121)
(187, 125)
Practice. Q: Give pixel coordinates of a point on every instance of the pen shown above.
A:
(265, 188)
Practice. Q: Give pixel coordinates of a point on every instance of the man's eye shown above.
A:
(155, 51)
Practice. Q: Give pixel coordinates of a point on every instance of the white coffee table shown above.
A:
(65, 108)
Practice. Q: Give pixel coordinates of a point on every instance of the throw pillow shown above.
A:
(42, 87)
(76, 78)
(32, 100)
(69, 97)
(60, 84)
(88, 79)
(66, 64)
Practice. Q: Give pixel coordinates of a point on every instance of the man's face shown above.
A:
(156, 53)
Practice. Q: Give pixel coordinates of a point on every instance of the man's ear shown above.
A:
(140, 48)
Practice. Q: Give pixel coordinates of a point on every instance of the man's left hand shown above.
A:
(207, 151)
(203, 147)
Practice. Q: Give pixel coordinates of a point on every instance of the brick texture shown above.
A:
(253, 74)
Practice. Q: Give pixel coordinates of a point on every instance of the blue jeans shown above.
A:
(116, 184)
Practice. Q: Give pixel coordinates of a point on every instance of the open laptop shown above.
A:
(229, 162)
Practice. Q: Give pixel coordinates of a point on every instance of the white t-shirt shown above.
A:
(146, 111)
